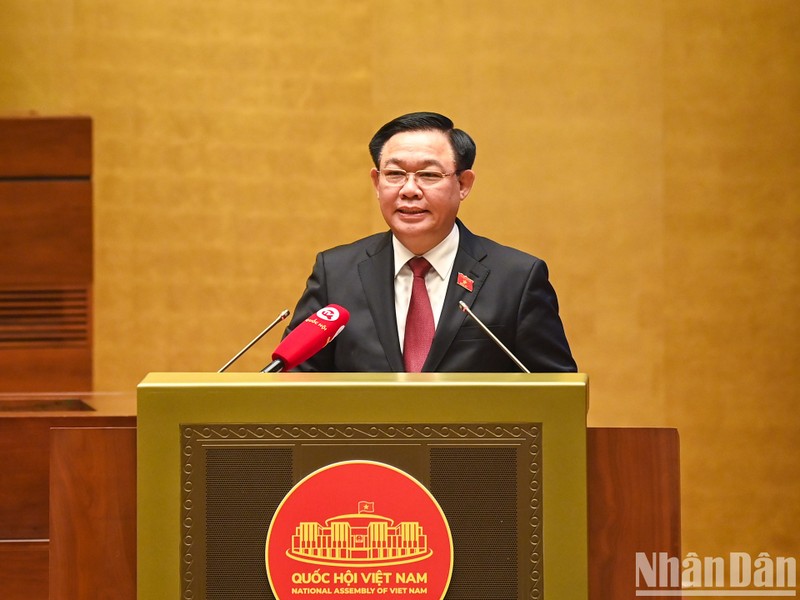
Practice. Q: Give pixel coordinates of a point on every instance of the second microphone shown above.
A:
(308, 338)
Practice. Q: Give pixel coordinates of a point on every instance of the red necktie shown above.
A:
(419, 321)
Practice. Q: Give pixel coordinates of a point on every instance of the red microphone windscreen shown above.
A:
(311, 336)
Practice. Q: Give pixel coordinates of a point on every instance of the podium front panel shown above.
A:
(502, 455)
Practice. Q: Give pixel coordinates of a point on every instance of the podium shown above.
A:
(502, 455)
(632, 485)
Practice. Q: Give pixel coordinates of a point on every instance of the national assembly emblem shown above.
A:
(360, 528)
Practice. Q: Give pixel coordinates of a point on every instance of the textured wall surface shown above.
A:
(648, 151)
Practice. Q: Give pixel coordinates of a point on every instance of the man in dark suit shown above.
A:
(404, 314)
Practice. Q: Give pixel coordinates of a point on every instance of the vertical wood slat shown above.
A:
(93, 513)
(25, 424)
(23, 570)
(633, 477)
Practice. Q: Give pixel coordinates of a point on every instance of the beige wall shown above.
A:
(648, 150)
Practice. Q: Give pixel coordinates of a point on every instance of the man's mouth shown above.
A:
(411, 210)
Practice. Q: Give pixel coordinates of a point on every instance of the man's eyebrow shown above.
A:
(430, 162)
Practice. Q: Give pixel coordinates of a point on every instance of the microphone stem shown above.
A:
(517, 362)
(280, 318)
(276, 366)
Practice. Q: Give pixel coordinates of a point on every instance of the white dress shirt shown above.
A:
(442, 257)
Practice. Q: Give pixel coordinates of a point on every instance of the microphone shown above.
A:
(308, 338)
(492, 336)
(280, 318)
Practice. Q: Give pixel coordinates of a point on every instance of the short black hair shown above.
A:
(463, 145)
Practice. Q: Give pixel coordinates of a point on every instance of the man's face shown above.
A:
(420, 216)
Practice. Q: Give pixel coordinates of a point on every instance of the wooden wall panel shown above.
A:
(24, 570)
(45, 146)
(46, 228)
(24, 467)
(93, 514)
(46, 266)
(25, 455)
(45, 369)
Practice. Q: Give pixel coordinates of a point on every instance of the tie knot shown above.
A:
(419, 266)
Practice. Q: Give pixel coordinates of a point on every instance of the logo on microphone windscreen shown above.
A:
(329, 313)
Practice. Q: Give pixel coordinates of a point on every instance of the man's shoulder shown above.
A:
(491, 251)
(361, 248)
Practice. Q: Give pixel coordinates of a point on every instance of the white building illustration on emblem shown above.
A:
(360, 539)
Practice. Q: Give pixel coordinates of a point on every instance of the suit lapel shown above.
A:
(376, 273)
(470, 253)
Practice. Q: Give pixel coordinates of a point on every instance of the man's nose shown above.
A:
(410, 187)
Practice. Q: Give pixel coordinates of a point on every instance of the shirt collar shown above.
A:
(442, 256)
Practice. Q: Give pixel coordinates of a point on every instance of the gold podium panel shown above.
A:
(503, 455)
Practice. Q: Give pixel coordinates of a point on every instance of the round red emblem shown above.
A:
(360, 528)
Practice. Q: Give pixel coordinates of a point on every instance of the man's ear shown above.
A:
(374, 175)
(465, 182)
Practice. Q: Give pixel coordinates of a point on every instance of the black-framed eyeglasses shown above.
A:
(424, 179)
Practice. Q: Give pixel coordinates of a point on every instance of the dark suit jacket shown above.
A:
(511, 294)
